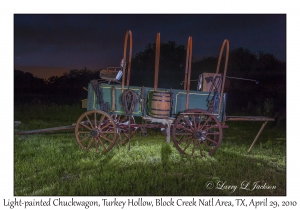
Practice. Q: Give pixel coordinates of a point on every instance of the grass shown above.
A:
(54, 164)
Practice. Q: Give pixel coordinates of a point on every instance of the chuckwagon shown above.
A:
(193, 119)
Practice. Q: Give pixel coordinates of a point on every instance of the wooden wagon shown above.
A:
(193, 119)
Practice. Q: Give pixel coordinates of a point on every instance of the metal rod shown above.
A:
(188, 67)
(129, 60)
(243, 79)
(157, 54)
(226, 42)
(124, 58)
(195, 80)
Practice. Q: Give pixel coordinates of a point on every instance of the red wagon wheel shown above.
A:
(197, 133)
(122, 123)
(96, 129)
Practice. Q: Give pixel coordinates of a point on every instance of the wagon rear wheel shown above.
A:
(122, 123)
(96, 129)
(197, 133)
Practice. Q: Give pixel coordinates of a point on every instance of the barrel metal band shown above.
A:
(160, 100)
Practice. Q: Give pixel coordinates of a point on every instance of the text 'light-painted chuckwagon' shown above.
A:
(193, 119)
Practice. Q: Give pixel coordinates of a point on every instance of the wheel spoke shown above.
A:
(194, 122)
(213, 133)
(211, 140)
(209, 148)
(186, 129)
(90, 143)
(189, 142)
(183, 134)
(200, 149)
(96, 145)
(101, 120)
(184, 139)
(193, 149)
(211, 127)
(188, 123)
(84, 139)
(199, 122)
(107, 139)
(108, 132)
(206, 121)
(87, 117)
(102, 143)
(104, 127)
(87, 127)
(125, 134)
(83, 132)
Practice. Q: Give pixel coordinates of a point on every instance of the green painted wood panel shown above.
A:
(197, 99)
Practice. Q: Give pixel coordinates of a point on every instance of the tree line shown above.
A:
(267, 97)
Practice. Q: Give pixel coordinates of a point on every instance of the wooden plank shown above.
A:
(258, 134)
(206, 86)
(47, 130)
(248, 118)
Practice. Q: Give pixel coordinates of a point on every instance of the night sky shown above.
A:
(50, 44)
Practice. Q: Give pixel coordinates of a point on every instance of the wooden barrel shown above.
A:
(160, 104)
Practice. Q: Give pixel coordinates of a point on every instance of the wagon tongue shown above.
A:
(47, 130)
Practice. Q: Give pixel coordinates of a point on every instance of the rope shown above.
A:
(96, 87)
(129, 101)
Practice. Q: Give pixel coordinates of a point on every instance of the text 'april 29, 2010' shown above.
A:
(119, 202)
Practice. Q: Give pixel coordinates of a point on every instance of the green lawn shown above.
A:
(54, 164)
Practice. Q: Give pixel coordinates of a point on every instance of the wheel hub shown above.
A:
(199, 134)
(94, 133)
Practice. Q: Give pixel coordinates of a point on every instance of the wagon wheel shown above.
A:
(197, 132)
(96, 129)
(123, 128)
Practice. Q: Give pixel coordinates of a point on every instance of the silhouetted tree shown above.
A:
(66, 89)
(242, 62)
(27, 87)
(171, 66)
(26, 82)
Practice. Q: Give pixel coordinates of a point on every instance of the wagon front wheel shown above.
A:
(197, 133)
(95, 129)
